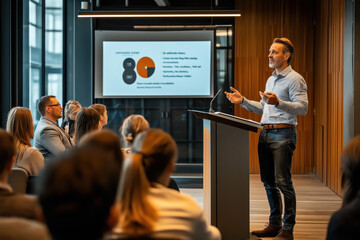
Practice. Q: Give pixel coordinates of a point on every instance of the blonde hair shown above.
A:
(20, 125)
(132, 126)
(70, 106)
(152, 151)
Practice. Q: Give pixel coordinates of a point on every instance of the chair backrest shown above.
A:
(18, 180)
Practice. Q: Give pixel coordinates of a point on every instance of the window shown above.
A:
(42, 52)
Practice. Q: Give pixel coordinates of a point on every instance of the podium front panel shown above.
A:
(226, 179)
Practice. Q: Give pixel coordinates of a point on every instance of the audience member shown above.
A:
(87, 120)
(15, 228)
(77, 194)
(107, 140)
(20, 125)
(147, 207)
(72, 107)
(101, 109)
(132, 126)
(50, 138)
(12, 204)
(345, 223)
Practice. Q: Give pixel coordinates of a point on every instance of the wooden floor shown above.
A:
(315, 205)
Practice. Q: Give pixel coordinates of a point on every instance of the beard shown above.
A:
(274, 64)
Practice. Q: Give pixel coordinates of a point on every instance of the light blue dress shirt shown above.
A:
(290, 87)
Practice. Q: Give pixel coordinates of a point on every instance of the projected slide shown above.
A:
(156, 68)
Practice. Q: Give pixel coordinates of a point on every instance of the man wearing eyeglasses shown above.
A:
(284, 98)
(50, 138)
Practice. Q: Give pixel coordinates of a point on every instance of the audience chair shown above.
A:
(18, 180)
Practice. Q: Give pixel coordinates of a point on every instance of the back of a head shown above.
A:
(107, 140)
(350, 164)
(70, 107)
(7, 149)
(87, 120)
(132, 126)
(157, 148)
(100, 108)
(77, 192)
(152, 151)
(19, 124)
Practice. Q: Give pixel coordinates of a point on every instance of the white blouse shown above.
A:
(31, 159)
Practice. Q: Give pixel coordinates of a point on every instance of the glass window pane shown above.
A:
(34, 65)
(32, 48)
(54, 48)
(54, 3)
(55, 85)
(34, 93)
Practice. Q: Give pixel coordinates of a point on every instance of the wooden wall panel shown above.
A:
(321, 73)
(260, 23)
(335, 101)
(329, 88)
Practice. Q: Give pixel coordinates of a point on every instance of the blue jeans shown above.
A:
(275, 149)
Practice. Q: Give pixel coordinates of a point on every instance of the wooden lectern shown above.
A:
(226, 172)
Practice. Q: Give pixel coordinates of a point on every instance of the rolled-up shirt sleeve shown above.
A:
(298, 104)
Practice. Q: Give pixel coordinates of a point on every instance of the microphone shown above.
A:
(211, 110)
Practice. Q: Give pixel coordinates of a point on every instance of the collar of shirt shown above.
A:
(283, 73)
(51, 121)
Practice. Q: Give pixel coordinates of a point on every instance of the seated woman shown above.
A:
(147, 207)
(101, 109)
(345, 223)
(131, 127)
(20, 125)
(87, 120)
(71, 109)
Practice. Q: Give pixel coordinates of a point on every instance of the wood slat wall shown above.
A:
(329, 89)
(260, 23)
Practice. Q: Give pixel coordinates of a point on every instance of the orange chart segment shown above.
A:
(145, 67)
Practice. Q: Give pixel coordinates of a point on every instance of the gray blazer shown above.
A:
(50, 139)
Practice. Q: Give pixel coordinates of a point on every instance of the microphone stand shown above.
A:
(211, 110)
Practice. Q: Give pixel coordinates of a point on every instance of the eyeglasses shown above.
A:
(54, 105)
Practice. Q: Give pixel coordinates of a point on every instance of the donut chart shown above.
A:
(145, 67)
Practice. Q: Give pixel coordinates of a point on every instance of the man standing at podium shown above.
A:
(284, 98)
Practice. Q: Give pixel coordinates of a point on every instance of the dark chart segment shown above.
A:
(129, 75)
(145, 67)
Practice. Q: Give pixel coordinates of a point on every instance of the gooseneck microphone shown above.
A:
(211, 110)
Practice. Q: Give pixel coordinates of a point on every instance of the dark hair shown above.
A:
(87, 120)
(152, 151)
(132, 126)
(7, 149)
(288, 46)
(43, 103)
(350, 165)
(106, 140)
(77, 192)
